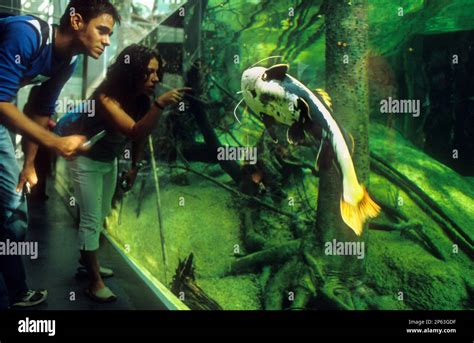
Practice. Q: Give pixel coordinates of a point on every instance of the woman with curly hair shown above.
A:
(124, 110)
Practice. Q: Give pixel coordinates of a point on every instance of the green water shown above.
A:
(425, 266)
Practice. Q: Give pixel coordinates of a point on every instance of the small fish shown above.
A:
(279, 98)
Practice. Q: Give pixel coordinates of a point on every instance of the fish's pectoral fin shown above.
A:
(303, 107)
(325, 155)
(295, 133)
(318, 155)
(269, 123)
(276, 72)
(352, 144)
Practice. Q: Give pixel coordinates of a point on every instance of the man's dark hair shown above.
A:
(88, 9)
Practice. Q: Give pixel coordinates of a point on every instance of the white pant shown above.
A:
(94, 186)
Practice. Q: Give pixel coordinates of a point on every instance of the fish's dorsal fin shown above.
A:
(325, 96)
(325, 155)
(276, 72)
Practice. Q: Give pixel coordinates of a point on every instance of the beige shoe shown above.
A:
(103, 295)
(103, 271)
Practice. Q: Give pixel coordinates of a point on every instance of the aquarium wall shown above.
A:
(227, 214)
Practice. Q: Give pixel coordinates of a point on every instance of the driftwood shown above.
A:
(184, 287)
(420, 235)
(405, 227)
(253, 240)
(454, 232)
(274, 255)
(304, 289)
(393, 212)
(245, 196)
(432, 207)
(393, 226)
(302, 297)
(193, 76)
(265, 277)
(279, 285)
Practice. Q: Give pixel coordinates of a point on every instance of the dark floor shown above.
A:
(53, 227)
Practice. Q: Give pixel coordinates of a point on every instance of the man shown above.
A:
(25, 55)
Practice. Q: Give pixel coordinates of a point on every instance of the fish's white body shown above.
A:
(273, 93)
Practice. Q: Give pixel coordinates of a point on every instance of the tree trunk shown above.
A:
(347, 84)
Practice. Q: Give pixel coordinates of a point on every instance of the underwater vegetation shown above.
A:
(268, 233)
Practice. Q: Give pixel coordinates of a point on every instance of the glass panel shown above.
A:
(273, 235)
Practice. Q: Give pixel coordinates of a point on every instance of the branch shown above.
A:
(274, 255)
(390, 210)
(407, 183)
(245, 196)
(275, 291)
(393, 226)
(454, 232)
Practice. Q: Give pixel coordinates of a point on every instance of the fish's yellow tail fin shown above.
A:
(355, 215)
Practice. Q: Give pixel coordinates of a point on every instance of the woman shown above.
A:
(124, 110)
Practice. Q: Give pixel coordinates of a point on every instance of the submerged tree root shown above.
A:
(410, 229)
(252, 199)
(253, 240)
(304, 290)
(299, 282)
(414, 231)
(403, 226)
(274, 255)
(279, 285)
(452, 230)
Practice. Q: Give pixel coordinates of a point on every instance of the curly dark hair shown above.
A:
(127, 74)
(88, 9)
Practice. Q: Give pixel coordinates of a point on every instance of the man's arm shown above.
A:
(40, 106)
(14, 119)
(30, 149)
(18, 44)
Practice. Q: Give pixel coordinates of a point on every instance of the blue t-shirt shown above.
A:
(20, 64)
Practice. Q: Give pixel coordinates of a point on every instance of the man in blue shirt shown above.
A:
(30, 51)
